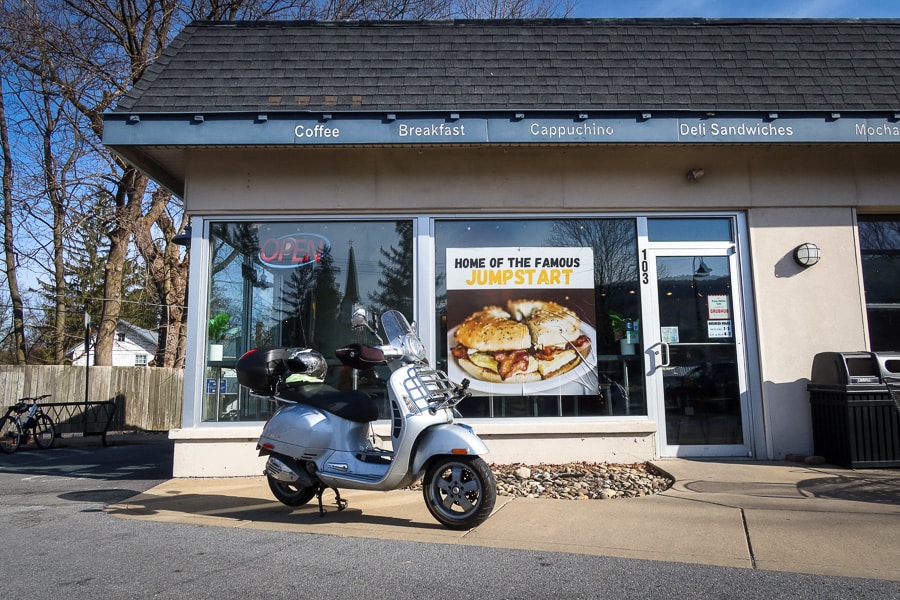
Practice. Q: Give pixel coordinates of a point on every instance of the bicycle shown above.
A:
(23, 420)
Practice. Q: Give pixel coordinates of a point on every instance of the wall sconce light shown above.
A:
(695, 174)
(807, 254)
(183, 238)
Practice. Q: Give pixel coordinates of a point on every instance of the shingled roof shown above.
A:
(671, 65)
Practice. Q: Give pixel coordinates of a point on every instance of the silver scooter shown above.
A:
(321, 438)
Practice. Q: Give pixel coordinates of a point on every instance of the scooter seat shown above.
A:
(352, 405)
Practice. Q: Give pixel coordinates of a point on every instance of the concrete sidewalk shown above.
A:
(755, 515)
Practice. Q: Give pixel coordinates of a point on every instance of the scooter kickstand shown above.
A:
(341, 503)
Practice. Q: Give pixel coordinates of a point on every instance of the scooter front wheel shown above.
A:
(289, 493)
(460, 492)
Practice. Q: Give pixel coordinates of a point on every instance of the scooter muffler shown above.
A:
(280, 470)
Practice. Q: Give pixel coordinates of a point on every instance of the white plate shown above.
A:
(579, 381)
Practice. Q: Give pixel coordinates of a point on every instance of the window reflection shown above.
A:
(295, 284)
(879, 240)
(690, 229)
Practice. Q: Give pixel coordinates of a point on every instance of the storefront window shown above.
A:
(879, 240)
(542, 316)
(296, 284)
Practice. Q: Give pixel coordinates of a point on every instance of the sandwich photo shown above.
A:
(525, 341)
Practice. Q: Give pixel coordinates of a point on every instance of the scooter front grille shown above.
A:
(397, 420)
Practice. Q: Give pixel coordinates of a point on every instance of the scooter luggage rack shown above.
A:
(433, 387)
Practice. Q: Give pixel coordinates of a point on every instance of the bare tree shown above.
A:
(80, 57)
(514, 9)
(18, 312)
(89, 53)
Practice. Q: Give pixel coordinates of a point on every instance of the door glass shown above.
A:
(700, 381)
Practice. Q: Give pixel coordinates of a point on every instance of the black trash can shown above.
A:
(855, 421)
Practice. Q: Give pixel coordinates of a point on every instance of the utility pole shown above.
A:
(87, 365)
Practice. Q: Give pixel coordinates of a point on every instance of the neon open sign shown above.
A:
(293, 250)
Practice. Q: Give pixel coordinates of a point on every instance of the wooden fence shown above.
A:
(146, 398)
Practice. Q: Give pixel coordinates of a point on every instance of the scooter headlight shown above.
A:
(413, 348)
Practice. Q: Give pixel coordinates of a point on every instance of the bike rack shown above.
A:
(81, 418)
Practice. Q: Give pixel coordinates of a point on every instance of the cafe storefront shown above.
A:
(700, 257)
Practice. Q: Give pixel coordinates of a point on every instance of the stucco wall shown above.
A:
(537, 179)
(802, 311)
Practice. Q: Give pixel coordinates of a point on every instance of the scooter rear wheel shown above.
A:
(289, 493)
(460, 492)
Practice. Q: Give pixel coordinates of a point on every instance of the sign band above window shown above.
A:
(499, 128)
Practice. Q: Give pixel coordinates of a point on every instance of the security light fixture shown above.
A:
(695, 174)
(806, 254)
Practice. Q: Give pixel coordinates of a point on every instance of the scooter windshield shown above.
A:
(401, 335)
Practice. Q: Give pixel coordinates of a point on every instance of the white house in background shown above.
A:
(133, 346)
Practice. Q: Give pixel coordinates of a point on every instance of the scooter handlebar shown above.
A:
(360, 356)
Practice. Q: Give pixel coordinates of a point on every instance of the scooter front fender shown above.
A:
(444, 439)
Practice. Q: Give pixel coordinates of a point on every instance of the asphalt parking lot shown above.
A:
(61, 540)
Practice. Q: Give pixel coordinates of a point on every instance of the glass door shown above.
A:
(695, 352)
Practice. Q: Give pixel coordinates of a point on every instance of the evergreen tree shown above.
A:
(395, 286)
(312, 299)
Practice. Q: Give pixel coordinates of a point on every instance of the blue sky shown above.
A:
(724, 9)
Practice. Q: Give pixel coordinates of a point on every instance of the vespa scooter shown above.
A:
(321, 438)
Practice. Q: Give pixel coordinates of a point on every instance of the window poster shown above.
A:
(718, 306)
(719, 329)
(521, 319)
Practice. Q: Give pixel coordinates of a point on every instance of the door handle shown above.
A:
(665, 346)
